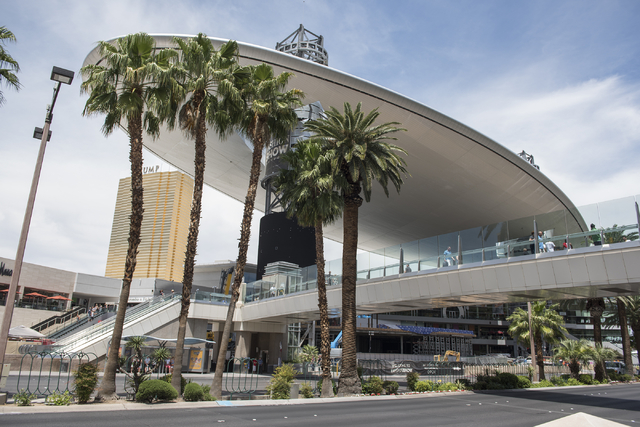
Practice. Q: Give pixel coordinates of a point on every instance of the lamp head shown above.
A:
(61, 75)
(37, 134)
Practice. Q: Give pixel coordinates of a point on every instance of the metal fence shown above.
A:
(43, 373)
(242, 375)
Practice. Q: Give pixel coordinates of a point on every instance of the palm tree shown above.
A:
(633, 314)
(8, 65)
(307, 189)
(265, 113)
(546, 324)
(595, 307)
(131, 77)
(576, 352)
(362, 155)
(618, 317)
(599, 355)
(200, 70)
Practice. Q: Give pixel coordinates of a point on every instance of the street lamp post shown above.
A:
(59, 75)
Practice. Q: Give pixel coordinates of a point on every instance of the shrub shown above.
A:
(494, 385)
(424, 386)
(183, 381)
(542, 384)
(625, 377)
(447, 387)
(391, 387)
(23, 398)
(280, 385)
(86, 380)
(412, 379)
(480, 385)
(373, 386)
(523, 382)
(573, 381)
(206, 390)
(557, 381)
(193, 392)
(306, 390)
(59, 399)
(155, 389)
(586, 379)
(508, 380)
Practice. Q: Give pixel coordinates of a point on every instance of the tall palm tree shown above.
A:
(633, 314)
(200, 69)
(131, 77)
(576, 352)
(546, 324)
(8, 66)
(308, 190)
(617, 316)
(362, 155)
(265, 113)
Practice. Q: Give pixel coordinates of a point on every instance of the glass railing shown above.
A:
(613, 222)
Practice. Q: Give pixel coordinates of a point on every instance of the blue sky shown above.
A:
(560, 80)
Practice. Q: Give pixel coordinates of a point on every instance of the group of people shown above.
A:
(95, 311)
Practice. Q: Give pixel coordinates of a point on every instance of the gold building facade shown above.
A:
(165, 227)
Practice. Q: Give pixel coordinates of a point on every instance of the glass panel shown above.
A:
(411, 256)
(392, 260)
(520, 231)
(552, 223)
(448, 248)
(471, 242)
(428, 249)
(376, 265)
(363, 265)
(494, 236)
(590, 214)
(334, 268)
(617, 212)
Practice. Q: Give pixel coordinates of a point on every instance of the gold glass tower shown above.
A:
(165, 227)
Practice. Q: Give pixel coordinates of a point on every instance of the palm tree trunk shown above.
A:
(635, 327)
(260, 138)
(107, 390)
(325, 349)
(626, 341)
(596, 307)
(192, 241)
(349, 380)
(539, 356)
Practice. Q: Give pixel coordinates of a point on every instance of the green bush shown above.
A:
(448, 386)
(206, 390)
(586, 379)
(625, 377)
(391, 387)
(412, 379)
(573, 381)
(86, 380)
(523, 382)
(280, 385)
(23, 398)
(306, 390)
(193, 392)
(59, 399)
(155, 389)
(424, 386)
(183, 381)
(542, 384)
(495, 385)
(373, 386)
(508, 380)
(480, 385)
(558, 381)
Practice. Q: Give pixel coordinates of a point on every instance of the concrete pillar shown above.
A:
(243, 343)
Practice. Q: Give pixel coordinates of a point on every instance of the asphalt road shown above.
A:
(619, 403)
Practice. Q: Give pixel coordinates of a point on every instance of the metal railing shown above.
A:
(241, 376)
(43, 373)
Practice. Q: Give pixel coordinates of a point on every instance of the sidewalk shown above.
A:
(120, 405)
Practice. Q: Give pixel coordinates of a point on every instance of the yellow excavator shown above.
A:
(445, 358)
